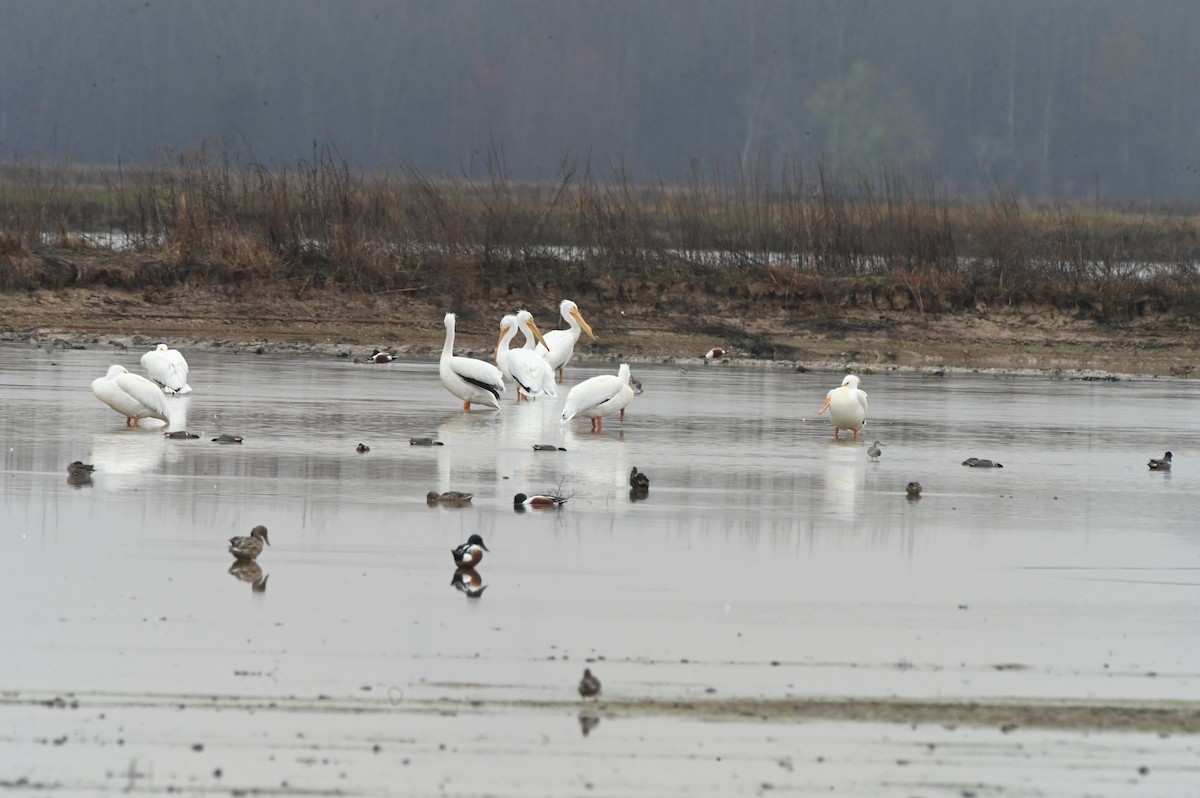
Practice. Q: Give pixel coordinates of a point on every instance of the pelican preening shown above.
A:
(847, 406)
(473, 381)
(597, 397)
(560, 344)
(168, 368)
(525, 367)
(131, 395)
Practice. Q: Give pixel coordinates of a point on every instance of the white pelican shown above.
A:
(168, 368)
(524, 366)
(473, 381)
(560, 344)
(131, 395)
(847, 406)
(597, 397)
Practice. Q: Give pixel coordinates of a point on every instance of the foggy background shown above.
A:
(1059, 98)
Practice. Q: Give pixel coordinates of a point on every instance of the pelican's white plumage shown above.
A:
(847, 406)
(524, 366)
(473, 381)
(597, 397)
(560, 344)
(168, 368)
(131, 395)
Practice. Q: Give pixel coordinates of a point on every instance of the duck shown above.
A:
(168, 368)
(560, 344)
(847, 406)
(224, 438)
(181, 435)
(470, 554)
(1161, 465)
(873, 451)
(80, 473)
(547, 447)
(379, 356)
(525, 367)
(913, 490)
(424, 442)
(638, 480)
(131, 395)
(248, 548)
(977, 462)
(448, 497)
(716, 353)
(538, 500)
(473, 381)
(589, 685)
(362, 448)
(600, 396)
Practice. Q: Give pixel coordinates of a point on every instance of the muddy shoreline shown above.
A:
(1028, 340)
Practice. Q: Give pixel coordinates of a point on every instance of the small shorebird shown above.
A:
(1161, 465)
(248, 548)
(589, 685)
(873, 452)
(469, 554)
(448, 497)
(538, 500)
(638, 480)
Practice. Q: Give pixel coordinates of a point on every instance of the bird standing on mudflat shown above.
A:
(131, 395)
(874, 452)
(168, 368)
(248, 548)
(847, 406)
(469, 554)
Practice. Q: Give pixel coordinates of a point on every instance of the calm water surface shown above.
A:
(768, 560)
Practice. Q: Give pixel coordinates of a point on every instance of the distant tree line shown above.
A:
(1087, 99)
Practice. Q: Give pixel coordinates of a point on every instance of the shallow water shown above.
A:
(767, 560)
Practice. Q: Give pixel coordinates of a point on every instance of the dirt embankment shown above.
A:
(635, 318)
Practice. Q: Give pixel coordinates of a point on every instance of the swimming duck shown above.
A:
(913, 490)
(424, 442)
(1161, 465)
(362, 448)
(469, 554)
(538, 500)
(223, 438)
(976, 462)
(168, 368)
(638, 480)
(847, 406)
(248, 548)
(80, 473)
(560, 344)
(873, 451)
(180, 435)
(589, 685)
(131, 395)
(378, 356)
(547, 447)
(447, 497)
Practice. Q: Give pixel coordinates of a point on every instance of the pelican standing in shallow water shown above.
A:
(560, 344)
(525, 367)
(248, 548)
(600, 396)
(168, 368)
(131, 395)
(473, 381)
(847, 406)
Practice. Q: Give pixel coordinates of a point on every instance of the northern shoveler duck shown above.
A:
(181, 435)
(525, 367)
(913, 490)
(847, 406)
(638, 480)
(424, 442)
(600, 396)
(362, 448)
(470, 554)
(976, 462)
(473, 381)
(248, 548)
(131, 395)
(223, 438)
(547, 447)
(716, 353)
(469, 582)
(80, 473)
(589, 685)
(1161, 465)
(873, 451)
(378, 356)
(560, 344)
(448, 497)
(168, 368)
(538, 500)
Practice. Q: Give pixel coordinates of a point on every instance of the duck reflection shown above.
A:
(251, 572)
(639, 494)
(469, 582)
(587, 722)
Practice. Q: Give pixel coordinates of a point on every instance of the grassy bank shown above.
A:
(758, 233)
